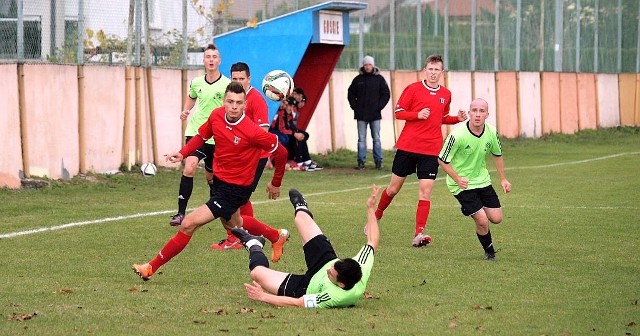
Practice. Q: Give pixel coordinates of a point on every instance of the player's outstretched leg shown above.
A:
(254, 245)
(247, 239)
(298, 202)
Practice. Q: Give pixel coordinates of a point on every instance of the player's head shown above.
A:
(433, 67)
(298, 95)
(240, 73)
(348, 273)
(211, 58)
(368, 64)
(234, 101)
(478, 112)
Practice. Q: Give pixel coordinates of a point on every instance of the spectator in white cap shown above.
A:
(368, 94)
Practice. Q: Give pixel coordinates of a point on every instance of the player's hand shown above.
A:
(371, 202)
(462, 115)
(424, 113)
(299, 136)
(463, 183)
(184, 114)
(174, 157)
(254, 292)
(506, 186)
(273, 192)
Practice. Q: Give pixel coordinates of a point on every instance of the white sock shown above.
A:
(253, 242)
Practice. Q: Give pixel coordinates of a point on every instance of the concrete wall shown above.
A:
(64, 120)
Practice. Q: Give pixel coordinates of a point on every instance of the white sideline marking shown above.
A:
(83, 223)
(155, 213)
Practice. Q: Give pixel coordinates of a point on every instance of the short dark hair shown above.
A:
(210, 46)
(234, 87)
(349, 272)
(435, 58)
(241, 66)
(292, 101)
(299, 90)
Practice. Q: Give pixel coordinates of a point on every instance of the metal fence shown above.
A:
(478, 35)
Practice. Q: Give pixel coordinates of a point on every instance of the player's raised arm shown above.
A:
(372, 229)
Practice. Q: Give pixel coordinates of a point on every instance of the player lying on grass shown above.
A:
(329, 282)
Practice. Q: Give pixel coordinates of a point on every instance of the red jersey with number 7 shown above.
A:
(423, 136)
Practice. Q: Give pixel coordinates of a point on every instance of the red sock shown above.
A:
(422, 215)
(383, 204)
(172, 248)
(230, 236)
(247, 209)
(258, 228)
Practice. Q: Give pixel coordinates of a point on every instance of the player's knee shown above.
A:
(392, 191)
(188, 227)
(482, 224)
(189, 168)
(496, 219)
(495, 216)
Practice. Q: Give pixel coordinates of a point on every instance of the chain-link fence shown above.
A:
(477, 35)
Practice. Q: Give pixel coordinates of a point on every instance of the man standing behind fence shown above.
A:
(208, 91)
(368, 94)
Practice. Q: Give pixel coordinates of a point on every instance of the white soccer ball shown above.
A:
(277, 85)
(148, 169)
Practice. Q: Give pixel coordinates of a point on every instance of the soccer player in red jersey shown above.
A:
(240, 143)
(424, 106)
(256, 110)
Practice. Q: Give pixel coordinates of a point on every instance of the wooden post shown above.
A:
(332, 121)
(138, 111)
(392, 79)
(82, 147)
(23, 122)
(152, 115)
(185, 88)
(126, 128)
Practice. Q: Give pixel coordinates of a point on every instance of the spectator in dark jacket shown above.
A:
(368, 94)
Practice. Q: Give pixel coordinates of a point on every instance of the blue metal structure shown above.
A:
(306, 43)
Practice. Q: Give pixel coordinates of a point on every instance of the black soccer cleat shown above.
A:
(245, 236)
(489, 256)
(298, 202)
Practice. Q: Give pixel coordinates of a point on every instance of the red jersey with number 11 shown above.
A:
(423, 136)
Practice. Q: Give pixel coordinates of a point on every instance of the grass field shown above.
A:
(568, 259)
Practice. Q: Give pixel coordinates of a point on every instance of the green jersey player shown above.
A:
(329, 282)
(208, 92)
(463, 159)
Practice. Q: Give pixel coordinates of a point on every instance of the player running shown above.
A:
(463, 159)
(240, 143)
(424, 106)
(256, 110)
(208, 92)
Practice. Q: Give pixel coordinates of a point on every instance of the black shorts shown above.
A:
(261, 164)
(226, 198)
(204, 153)
(406, 163)
(317, 253)
(473, 200)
